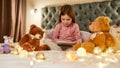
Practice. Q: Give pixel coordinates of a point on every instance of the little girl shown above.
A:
(67, 29)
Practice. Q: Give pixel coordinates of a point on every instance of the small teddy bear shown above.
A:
(100, 38)
(7, 45)
(31, 41)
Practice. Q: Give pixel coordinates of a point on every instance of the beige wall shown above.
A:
(38, 4)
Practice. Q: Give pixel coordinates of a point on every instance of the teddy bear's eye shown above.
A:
(118, 31)
(89, 23)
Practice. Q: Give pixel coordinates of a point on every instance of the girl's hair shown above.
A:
(67, 9)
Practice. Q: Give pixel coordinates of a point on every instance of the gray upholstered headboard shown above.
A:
(84, 13)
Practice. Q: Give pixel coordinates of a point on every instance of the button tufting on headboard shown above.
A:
(84, 13)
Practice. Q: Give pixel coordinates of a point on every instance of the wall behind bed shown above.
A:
(84, 13)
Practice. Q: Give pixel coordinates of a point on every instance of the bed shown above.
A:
(84, 13)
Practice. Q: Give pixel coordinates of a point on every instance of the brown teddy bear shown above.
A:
(100, 37)
(31, 41)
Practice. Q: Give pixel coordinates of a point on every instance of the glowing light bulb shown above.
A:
(71, 55)
(81, 52)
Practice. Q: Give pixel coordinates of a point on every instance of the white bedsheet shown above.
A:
(13, 61)
(57, 59)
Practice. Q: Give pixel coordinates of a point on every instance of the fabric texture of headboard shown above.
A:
(84, 13)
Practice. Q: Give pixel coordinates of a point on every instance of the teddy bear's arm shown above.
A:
(99, 41)
(110, 40)
(34, 42)
(24, 39)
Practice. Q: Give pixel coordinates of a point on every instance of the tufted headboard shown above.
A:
(84, 13)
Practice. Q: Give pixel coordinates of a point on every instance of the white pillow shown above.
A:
(49, 33)
(115, 32)
(85, 35)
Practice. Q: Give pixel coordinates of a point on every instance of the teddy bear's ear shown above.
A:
(32, 26)
(100, 18)
(104, 19)
(107, 20)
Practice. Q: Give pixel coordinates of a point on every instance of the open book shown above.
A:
(65, 43)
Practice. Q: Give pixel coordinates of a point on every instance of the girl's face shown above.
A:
(66, 20)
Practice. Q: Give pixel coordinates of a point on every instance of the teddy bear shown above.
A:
(7, 46)
(100, 36)
(31, 41)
